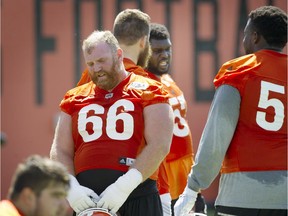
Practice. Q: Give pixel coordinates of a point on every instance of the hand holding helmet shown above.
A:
(95, 212)
(113, 197)
(80, 197)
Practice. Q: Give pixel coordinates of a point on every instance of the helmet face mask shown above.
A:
(95, 212)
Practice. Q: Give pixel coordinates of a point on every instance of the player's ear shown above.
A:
(28, 197)
(143, 41)
(120, 54)
(256, 37)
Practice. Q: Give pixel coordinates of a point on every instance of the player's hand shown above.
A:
(166, 204)
(80, 197)
(113, 197)
(200, 204)
(185, 202)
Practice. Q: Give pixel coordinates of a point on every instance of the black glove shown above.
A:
(200, 204)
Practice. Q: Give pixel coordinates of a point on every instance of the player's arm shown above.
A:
(63, 146)
(79, 197)
(216, 137)
(158, 135)
(215, 140)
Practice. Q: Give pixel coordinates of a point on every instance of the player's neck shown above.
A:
(131, 52)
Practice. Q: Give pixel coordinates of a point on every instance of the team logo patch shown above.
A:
(109, 95)
(138, 85)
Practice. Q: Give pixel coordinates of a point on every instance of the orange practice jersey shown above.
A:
(129, 66)
(8, 209)
(108, 127)
(260, 138)
(181, 145)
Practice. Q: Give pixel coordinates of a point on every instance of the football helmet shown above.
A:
(96, 212)
(196, 214)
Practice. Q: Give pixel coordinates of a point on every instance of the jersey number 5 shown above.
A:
(265, 102)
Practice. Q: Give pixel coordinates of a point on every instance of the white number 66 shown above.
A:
(112, 118)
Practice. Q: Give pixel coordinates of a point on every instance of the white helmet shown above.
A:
(95, 212)
(105, 212)
(196, 214)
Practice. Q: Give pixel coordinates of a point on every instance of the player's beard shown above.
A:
(144, 56)
(111, 79)
(155, 68)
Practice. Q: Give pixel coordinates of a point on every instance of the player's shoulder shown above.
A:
(131, 67)
(150, 91)
(7, 208)
(238, 66)
(82, 90)
(167, 78)
(143, 81)
(246, 61)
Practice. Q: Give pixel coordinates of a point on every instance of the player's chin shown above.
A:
(163, 69)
